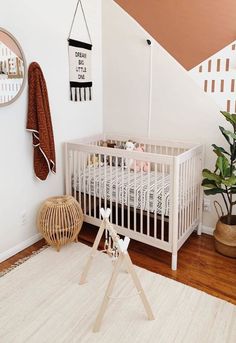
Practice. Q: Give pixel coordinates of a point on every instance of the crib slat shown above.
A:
(70, 171)
(183, 197)
(85, 156)
(122, 192)
(89, 184)
(79, 170)
(187, 191)
(155, 203)
(163, 200)
(74, 173)
(196, 186)
(110, 188)
(181, 201)
(117, 196)
(148, 204)
(94, 191)
(128, 196)
(191, 191)
(188, 195)
(135, 197)
(105, 183)
(100, 185)
(141, 199)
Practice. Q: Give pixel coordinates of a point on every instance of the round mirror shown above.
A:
(12, 68)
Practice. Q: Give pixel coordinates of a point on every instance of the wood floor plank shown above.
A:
(199, 265)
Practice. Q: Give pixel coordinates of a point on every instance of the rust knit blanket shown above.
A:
(39, 123)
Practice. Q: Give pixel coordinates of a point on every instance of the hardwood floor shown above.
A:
(199, 265)
(24, 253)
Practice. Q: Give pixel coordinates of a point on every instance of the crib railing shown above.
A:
(160, 206)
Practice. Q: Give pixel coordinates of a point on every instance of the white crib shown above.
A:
(160, 207)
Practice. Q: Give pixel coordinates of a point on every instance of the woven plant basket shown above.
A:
(59, 220)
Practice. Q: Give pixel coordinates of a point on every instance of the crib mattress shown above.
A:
(119, 184)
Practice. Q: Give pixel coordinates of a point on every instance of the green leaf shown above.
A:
(228, 172)
(230, 182)
(207, 174)
(229, 117)
(222, 164)
(219, 150)
(209, 183)
(223, 133)
(214, 191)
(230, 134)
(233, 190)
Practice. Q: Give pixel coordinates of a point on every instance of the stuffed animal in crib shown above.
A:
(129, 146)
(94, 160)
(140, 164)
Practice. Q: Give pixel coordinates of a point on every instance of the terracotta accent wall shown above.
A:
(190, 30)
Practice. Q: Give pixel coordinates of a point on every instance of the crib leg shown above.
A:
(199, 229)
(174, 262)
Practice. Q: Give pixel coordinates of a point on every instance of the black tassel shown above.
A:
(90, 94)
(76, 94)
(71, 98)
(80, 96)
(84, 94)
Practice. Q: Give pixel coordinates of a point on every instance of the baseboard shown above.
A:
(19, 247)
(207, 229)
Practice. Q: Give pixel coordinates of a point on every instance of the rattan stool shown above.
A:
(60, 220)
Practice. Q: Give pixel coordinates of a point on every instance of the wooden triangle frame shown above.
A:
(123, 258)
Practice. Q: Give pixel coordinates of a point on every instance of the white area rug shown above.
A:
(41, 301)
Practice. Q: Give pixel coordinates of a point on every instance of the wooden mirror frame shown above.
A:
(25, 69)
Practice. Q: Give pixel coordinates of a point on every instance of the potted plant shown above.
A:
(223, 181)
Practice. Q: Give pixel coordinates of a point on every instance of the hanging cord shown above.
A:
(80, 2)
(150, 90)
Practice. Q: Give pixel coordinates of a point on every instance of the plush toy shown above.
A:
(94, 161)
(137, 166)
(129, 146)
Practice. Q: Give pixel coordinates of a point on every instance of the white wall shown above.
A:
(180, 109)
(42, 29)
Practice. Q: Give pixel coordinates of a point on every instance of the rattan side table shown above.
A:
(59, 220)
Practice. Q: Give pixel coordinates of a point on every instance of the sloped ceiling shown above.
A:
(190, 30)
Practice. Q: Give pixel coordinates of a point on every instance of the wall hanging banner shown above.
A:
(80, 64)
(80, 70)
